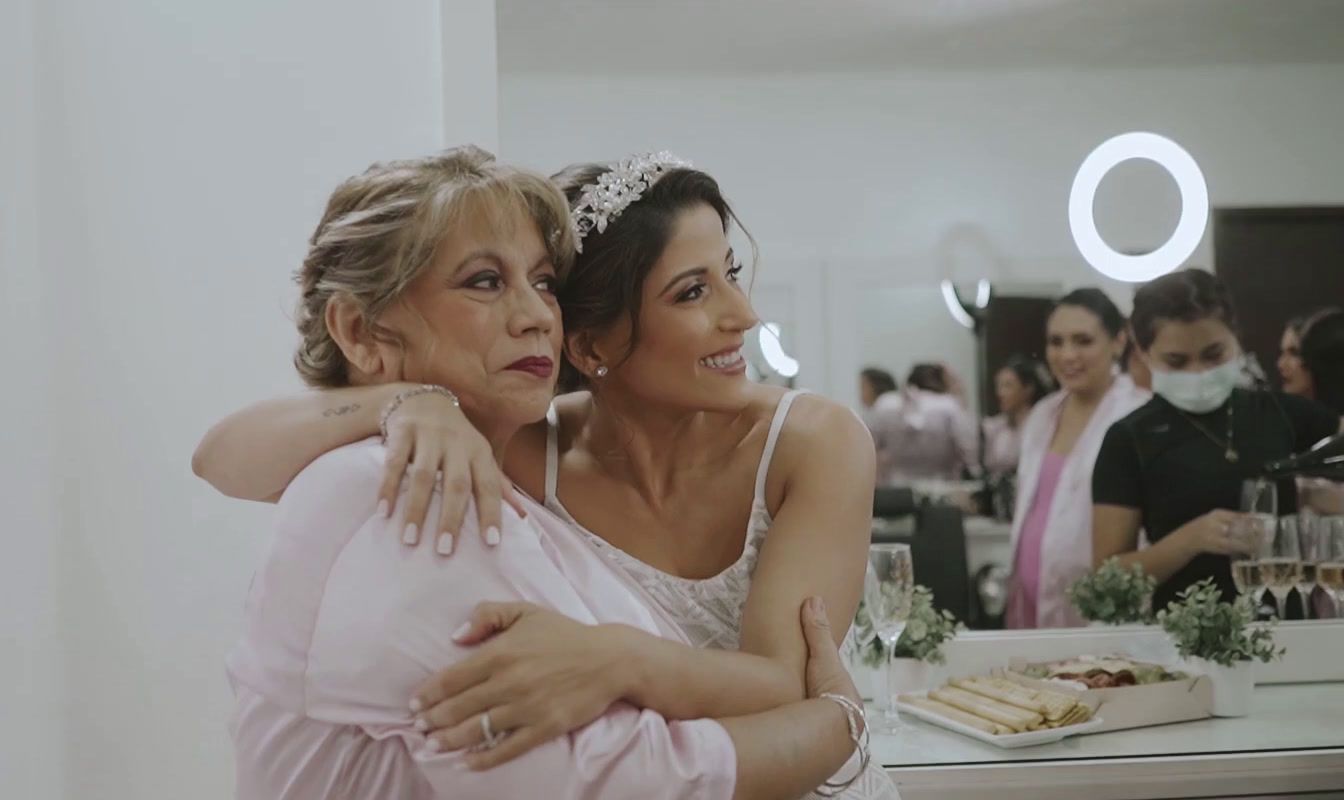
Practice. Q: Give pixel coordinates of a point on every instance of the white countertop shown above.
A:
(1288, 717)
(975, 527)
(1292, 740)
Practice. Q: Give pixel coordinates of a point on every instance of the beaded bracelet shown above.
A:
(858, 733)
(401, 397)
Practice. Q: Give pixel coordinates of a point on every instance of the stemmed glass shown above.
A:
(1308, 530)
(1281, 570)
(1260, 502)
(1330, 570)
(888, 590)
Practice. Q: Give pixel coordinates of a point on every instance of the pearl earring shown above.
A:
(602, 372)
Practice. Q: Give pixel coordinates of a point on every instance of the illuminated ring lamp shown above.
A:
(1194, 207)
(781, 362)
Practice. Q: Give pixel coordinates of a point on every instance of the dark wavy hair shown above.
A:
(929, 377)
(881, 380)
(606, 281)
(1323, 356)
(1032, 374)
(1102, 307)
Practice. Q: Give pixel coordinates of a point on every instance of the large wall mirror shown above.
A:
(881, 152)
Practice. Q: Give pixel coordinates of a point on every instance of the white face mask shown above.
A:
(1199, 392)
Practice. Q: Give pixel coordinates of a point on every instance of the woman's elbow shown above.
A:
(206, 464)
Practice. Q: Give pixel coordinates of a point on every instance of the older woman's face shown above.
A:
(483, 320)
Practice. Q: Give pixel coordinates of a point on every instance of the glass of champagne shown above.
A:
(1282, 569)
(1330, 570)
(1307, 528)
(1246, 575)
(888, 590)
(1260, 502)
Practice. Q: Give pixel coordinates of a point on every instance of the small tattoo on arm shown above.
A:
(341, 411)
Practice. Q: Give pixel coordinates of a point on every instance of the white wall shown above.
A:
(31, 662)
(184, 153)
(960, 173)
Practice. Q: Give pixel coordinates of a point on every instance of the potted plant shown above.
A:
(921, 644)
(1219, 639)
(1113, 594)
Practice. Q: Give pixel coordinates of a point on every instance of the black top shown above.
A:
(1157, 461)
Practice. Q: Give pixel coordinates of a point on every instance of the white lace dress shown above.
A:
(709, 611)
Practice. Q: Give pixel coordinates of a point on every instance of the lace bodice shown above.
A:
(709, 610)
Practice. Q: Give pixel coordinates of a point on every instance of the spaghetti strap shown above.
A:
(771, 439)
(552, 454)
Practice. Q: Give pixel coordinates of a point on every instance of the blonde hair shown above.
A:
(382, 228)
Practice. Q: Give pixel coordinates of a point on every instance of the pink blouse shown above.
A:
(1027, 560)
(344, 622)
(1003, 445)
(922, 435)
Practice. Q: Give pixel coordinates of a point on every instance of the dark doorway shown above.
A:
(1278, 263)
(1013, 326)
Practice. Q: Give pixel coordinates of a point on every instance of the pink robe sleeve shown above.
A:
(344, 623)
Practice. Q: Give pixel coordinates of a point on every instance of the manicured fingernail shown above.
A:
(412, 534)
(462, 631)
(433, 746)
(445, 545)
(416, 705)
(492, 536)
(383, 509)
(421, 724)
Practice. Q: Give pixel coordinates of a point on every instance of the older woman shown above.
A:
(443, 271)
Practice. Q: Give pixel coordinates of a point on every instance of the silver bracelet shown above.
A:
(858, 733)
(401, 397)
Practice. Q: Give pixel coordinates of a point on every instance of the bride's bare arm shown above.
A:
(253, 454)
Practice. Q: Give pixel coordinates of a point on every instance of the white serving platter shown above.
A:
(1007, 740)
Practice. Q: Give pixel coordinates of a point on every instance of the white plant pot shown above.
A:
(1232, 686)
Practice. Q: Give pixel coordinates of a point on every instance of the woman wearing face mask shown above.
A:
(1175, 466)
(723, 500)
(1085, 336)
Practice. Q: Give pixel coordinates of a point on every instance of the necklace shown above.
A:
(1229, 448)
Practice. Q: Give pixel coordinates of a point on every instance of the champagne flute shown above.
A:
(1330, 570)
(1260, 502)
(888, 590)
(1282, 570)
(1307, 528)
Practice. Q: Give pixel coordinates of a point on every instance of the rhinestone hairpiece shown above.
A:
(616, 189)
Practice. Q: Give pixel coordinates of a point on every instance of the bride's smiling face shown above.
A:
(654, 311)
(693, 320)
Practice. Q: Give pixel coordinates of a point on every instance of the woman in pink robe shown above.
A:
(442, 271)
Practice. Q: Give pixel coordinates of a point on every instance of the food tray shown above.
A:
(1008, 741)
